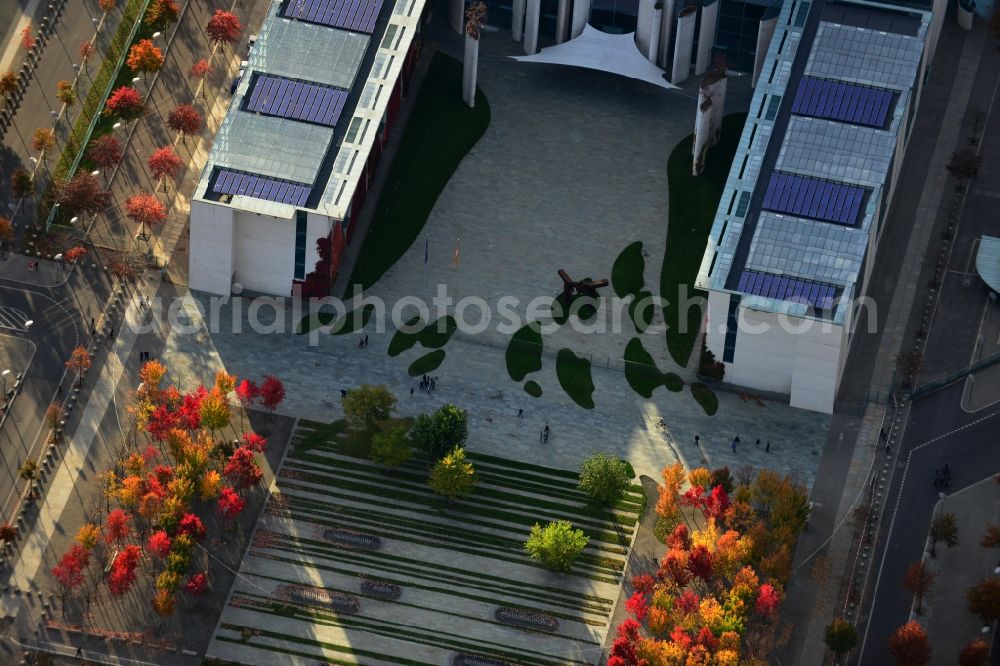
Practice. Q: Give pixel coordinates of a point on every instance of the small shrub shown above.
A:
(557, 545)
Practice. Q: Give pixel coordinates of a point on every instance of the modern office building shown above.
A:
(293, 159)
(798, 227)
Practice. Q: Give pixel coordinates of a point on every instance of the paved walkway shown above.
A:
(949, 624)
(572, 169)
(474, 377)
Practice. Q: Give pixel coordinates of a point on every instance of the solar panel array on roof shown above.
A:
(817, 294)
(356, 15)
(287, 98)
(814, 198)
(846, 102)
(228, 181)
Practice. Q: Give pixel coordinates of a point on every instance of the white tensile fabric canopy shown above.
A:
(604, 52)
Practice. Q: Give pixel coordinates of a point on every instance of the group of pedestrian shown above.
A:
(427, 384)
(363, 342)
(143, 356)
(32, 266)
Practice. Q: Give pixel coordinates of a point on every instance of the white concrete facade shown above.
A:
(706, 36)
(683, 45)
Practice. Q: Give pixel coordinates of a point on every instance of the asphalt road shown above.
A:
(937, 432)
(61, 321)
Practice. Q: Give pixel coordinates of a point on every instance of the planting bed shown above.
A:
(384, 572)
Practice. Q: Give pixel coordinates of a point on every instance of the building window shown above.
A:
(301, 224)
(732, 325)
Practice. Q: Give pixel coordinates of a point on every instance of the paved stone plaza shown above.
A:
(474, 376)
(572, 169)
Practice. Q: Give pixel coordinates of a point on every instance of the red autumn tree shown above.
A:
(638, 606)
(86, 50)
(909, 645)
(116, 528)
(199, 71)
(79, 361)
(768, 601)
(223, 28)
(185, 120)
(28, 40)
(145, 209)
(680, 538)
(623, 649)
(83, 194)
(69, 572)
(7, 233)
(43, 139)
(197, 584)
(716, 503)
(164, 163)
(976, 653)
(918, 580)
(242, 470)
(144, 57)
(8, 533)
(984, 599)
(123, 570)
(159, 544)
(162, 14)
(254, 442)
(700, 563)
(272, 393)
(10, 83)
(126, 103)
(21, 184)
(230, 504)
(74, 253)
(107, 5)
(191, 525)
(106, 152)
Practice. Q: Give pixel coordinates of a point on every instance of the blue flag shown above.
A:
(426, 247)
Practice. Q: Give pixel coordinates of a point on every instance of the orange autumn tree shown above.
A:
(79, 361)
(716, 595)
(145, 57)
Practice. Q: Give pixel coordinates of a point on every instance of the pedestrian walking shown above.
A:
(888, 449)
(411, 390)
(92, 326)
(366, 339)
(546, 429)
(767, 449)
(734, 446)
(737, 440)
(758, 443)
(361, 343)
(433, 384)
(697, 440)
(520, 413)
(343, 393)
(79, 653)
(546, 437)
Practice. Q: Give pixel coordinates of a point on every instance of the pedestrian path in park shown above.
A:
(474, 376)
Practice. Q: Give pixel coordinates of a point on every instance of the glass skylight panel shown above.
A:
(298, 50)
(864, 56)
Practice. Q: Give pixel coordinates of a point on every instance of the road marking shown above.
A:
(986, 193)
(14, 45)
(952, 432)
(11, 318)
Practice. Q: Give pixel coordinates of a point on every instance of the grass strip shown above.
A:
(442, 125)
(705, 397)
(426, 363)
(533, 389)
(693, 202)
(627, 271)
(524, 351)
(573, 373)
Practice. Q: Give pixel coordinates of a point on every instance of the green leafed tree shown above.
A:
(605, 478)
(841, 637)
(436, 434)
(557, 545)
(452, 476)
(368, 405)
(944, 529)
(391, 447)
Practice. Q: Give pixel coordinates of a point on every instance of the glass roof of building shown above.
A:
(859, 55)
(808, 248)
(748, 237)
(300, 50)
(836, 151)
(278, 147)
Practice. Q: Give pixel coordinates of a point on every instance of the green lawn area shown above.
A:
(426, 363)
(573, 373)
(533, 389)
(693, 202)
(440, 133)
(432, 336)
(524, 352)
(705, 397)
(627, 271)
(642, 374)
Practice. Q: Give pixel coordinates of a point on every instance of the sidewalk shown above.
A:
(14, 267)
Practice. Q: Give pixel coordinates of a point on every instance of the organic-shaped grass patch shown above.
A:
(640, 310)
(573, 373)
(351, 322)
(705, 397)
(628, 269)
(432, 336)
(533, 389)
(673, 383)
(641, 372)
(524, 351)
(693, 202)
(426, 363)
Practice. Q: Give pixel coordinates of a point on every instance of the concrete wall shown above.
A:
(706, 36)
(265, 253)
(664, 50)
(645, 26)
(531, 19)
(683, 45)
(581, 14)
(764, 33)
(804, 364)
(211, 258)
